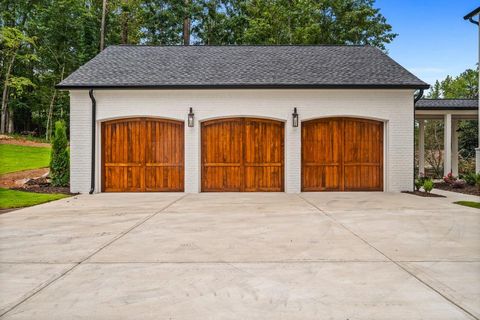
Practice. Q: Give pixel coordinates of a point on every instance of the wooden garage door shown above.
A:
(342, 154)
(242, 154)
(142, 154)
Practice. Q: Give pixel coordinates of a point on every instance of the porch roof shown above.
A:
(463, 109)
(445, 104)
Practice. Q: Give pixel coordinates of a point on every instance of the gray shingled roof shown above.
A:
(436, 104)
(242, 66)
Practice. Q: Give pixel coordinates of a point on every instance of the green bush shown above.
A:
(470, 178)
(419, 182)
(60, 159)
(428, 185)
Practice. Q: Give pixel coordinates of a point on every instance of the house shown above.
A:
(241, 118)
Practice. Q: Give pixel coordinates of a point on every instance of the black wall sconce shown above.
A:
(191, 117)
(295, 118)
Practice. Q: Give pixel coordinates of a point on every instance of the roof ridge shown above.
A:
(241, 45)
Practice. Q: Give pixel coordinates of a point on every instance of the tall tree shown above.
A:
(162, 21)
(15, 46)
(102, 25)
(316, 22)
(219, 22)
(186, 23)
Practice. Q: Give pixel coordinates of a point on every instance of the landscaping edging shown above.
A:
(424, 194)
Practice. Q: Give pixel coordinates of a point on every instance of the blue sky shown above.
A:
(433, 39)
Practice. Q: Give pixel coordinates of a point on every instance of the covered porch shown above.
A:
(451, 111)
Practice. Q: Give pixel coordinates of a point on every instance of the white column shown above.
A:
(447, 144)
(192, 158)
(477, 150)
(293, 151)
(477, 157)
(455, 148)
(421, 147)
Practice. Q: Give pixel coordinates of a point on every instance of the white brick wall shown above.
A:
(395, 107)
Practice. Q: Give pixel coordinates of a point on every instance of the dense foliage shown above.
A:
(60, 158)
(43, 41)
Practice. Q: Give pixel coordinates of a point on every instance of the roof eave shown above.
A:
(245, 86)
(446, 108)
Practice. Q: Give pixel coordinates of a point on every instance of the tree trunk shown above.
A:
(125, 31)
(102, 26)
(124, 22)
(4, 116)
(48, 131)
(10, 126)
(186, 24)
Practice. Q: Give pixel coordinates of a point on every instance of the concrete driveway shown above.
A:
(241, 256)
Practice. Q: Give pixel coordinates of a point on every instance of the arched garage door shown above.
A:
(242, 154)
(342, 154)
(142, 154)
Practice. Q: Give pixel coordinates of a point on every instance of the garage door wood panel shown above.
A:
(363, 156)
(321, 155)
(263, 157)
(222, 160)
(142, 154)
(242, 154)
(342, 154)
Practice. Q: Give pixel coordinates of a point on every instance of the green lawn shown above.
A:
(17, 158)
(19, 199)
(471, 204)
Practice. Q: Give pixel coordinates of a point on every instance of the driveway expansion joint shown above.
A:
(397, 263)
(76, 264)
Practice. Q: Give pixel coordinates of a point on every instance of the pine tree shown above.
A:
(60, 158)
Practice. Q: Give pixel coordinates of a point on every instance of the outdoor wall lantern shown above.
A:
(295, 118)
(191, 117)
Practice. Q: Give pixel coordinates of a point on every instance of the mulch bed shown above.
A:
(16, 179)
(424, 194)
(468, 189)
(42, 185)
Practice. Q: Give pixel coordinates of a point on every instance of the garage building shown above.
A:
(241, 119)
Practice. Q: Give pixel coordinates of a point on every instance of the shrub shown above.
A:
(458, 184)
(470, 178)
(60, 158)
(449, 178)
(419, 182)
(428, 185)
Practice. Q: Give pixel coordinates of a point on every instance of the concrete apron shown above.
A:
(237, 256)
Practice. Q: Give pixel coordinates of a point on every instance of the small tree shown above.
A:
(60, 158)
